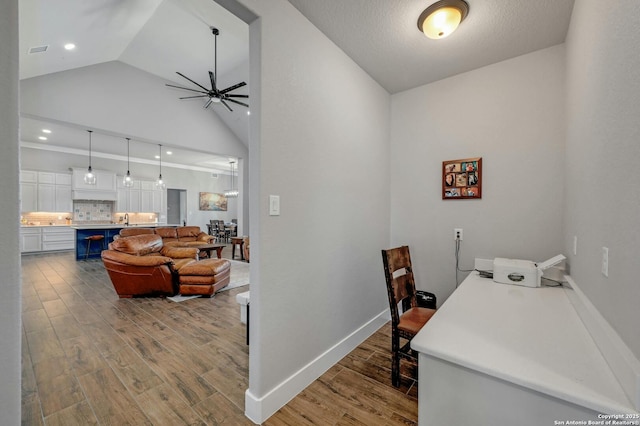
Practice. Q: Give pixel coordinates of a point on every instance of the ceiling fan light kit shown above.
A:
(442, 18)
(214, 95)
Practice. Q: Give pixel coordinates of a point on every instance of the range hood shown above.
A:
(93, 195)
(103, 190)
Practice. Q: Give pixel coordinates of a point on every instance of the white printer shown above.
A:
(522, 272)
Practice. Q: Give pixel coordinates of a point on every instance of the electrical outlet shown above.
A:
(575, 245)
(457, 234)
(605, 261)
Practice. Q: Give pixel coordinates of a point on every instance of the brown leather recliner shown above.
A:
(142, 265)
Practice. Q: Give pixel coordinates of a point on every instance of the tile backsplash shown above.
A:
(93, 211)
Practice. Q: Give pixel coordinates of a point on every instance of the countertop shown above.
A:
(532, 337)
(119, 225)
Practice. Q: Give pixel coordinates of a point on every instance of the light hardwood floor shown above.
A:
(89, 357)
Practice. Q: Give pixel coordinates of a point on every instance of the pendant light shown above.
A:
(442, 18)
(160, 183)
(232, 193)
(127, 181)
(90, 177)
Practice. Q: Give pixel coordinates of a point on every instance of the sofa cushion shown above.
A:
(127, 259)
(206, 267)
(167, 233)
(139, 245)
(188, 233)
(128, 232)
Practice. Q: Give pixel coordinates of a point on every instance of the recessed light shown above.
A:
(46, 131)
(157, 157)
(42, 138)
(69, 46)
(248, 112)
(169, 152)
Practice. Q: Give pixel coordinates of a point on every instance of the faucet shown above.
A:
(126, 219)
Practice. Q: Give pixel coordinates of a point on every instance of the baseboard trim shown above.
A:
(259, 409)
(624, 365)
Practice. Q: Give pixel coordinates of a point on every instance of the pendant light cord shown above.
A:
(90, 131)
(128, 140)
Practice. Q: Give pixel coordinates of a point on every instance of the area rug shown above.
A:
(239, 277)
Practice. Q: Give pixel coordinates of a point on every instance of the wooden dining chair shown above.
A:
(401, 289)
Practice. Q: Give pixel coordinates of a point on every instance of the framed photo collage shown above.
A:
(462, 179)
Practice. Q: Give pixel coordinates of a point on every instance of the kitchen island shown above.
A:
(108, 231)
(84, 231)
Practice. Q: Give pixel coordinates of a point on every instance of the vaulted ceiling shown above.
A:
(165, 36)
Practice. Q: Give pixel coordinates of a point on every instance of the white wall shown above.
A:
(190, 180)
(10, 302)
(512, 115)
(320, 142)
(603, 150)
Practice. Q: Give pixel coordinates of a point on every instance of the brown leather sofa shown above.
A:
(182, 236)
(141, 265)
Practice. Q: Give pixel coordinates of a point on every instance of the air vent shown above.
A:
(38, 49)
(214, 176)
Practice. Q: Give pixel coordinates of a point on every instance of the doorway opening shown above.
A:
(177, 207)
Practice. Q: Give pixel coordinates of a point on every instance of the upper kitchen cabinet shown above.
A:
(45, 191)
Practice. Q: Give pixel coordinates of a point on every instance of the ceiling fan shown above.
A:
(214, 94)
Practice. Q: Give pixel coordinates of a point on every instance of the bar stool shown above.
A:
(92, 238)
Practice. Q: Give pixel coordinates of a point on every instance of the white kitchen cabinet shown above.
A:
(128, 198)
(46, 197)
(143, 197)
(45, 192)
(30, 239)
(28, 197)
(47, 177)
(46, 238)
(63, 203)
(58, 238)
(63, 179)
(29, 176)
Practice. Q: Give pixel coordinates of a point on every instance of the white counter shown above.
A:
(505, 354)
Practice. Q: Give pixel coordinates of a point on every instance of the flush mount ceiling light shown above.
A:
(442, 18)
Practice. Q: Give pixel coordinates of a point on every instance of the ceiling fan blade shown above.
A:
(234, 87)
(208, 103)
(193, 97)
(186, 88)
(225, 104)
(184, 76)
(212, 77)
(237, 102)
(237, 96)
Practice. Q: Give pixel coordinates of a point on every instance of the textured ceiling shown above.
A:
(382, 36)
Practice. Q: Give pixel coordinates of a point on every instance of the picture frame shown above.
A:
(211, 201)
(462, 179)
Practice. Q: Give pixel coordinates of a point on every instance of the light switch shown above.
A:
(274, 205)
